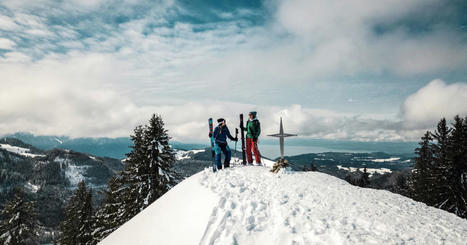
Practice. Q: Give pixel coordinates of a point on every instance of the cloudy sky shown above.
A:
(361, 70)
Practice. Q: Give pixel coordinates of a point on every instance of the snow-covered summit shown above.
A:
(20, 150)
(250, 205)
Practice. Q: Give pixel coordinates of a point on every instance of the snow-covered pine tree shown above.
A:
(130, 177)
(439, 177)
(161, 161)
(457, 158)
(18, 224)
(441, 193)
(147, 174)
(422, 184)
(108, 216)
(76, 228)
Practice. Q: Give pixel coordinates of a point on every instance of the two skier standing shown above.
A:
(221, 133)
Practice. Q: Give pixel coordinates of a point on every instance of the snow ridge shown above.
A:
(250, 205)
(258, 207)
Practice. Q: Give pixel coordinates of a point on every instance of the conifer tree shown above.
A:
(132, 175)
(442, 166)
(440, 170)
(457, 192)
(422, 182)
(108, 216)
(77, 226)
(147, 174)
(18, 224)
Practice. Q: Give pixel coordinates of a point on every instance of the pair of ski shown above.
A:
(242, 129)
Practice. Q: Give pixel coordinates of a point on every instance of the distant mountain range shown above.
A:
(118, 147)
(342, 160)
(350, 146)
(103, 147)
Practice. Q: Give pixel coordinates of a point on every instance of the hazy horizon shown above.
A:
(269, 146)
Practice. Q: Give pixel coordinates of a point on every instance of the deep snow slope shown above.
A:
(250, 205)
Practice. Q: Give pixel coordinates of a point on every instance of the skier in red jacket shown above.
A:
(253, 129)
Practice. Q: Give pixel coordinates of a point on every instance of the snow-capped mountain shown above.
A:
(19, 150)
(50, 176)
(250, 205)
(72, 166)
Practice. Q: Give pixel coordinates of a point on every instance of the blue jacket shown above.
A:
(221, 134)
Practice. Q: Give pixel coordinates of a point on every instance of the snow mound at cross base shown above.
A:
(250, 205)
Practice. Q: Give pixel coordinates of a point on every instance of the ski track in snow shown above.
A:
(258, 207)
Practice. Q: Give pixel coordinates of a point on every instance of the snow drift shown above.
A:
(250, 205)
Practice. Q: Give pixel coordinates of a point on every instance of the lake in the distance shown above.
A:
(270, 147)
(273, 151)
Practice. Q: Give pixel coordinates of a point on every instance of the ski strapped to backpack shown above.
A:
(211, 133)
(242, 129)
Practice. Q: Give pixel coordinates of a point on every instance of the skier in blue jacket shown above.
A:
(221, 132)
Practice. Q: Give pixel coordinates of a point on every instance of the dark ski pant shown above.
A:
(252, 146)
(224, 148)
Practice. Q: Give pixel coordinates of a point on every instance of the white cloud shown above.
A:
(437, 99)
(6, 23)
(338, 36)
(108, 83)
(6, 44)
(39, 33)
(67, 95)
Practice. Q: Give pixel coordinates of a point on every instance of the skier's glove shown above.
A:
(255, 140)
(210, 135)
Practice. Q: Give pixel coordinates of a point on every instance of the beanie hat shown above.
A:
(253, 113)
(220, 120)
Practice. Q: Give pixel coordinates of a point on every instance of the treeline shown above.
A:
(147, 175)
(362, 179)
(439, 175)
